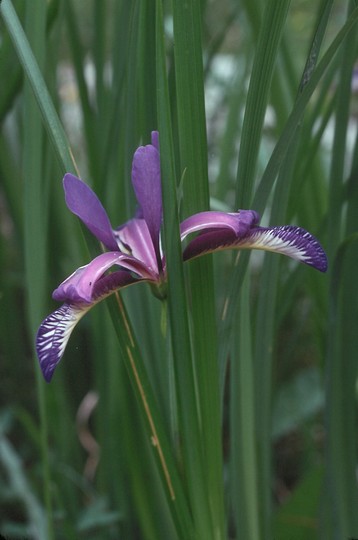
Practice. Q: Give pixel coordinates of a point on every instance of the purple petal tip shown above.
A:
(155, 139)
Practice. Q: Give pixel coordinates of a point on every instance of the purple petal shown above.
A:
(147, 187)
(210, 241)
(84, 203)
(288, 240)
(155, 139)
(55, 330)
(79, 286)
(133, 237)
(53, 335)
(239, 223)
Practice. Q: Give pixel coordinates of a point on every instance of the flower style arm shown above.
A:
(239, 223)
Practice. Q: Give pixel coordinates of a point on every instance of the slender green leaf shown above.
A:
(193, 163)
(151, 416)
(243, 453)
(35, 232)
(178, 310)
(263, 190)
(265, 57)
(341, 349)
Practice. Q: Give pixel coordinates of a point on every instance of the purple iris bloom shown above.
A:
(135, 253)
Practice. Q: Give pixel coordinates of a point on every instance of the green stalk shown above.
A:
(269, 176)
(348, 58)
(341, 354)
(243, 449)
(14, 78)
(172, 484)
(35, 219)
(264, 344)
(267, 302)
(260, 82)
(89, 118)
(178, 309)
(264, 188)
(193, 164)
(265, 328)
(147, 103)
(340, 497)
(99, 51)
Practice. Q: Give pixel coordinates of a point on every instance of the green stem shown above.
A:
(187, 17)
(188, 414)
(243, 448)
(35, 218)
(167, 469)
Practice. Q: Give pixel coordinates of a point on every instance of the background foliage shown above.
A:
(250, 367)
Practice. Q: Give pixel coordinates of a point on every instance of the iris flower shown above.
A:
(134, 250)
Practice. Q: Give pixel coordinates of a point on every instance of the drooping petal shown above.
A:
(84, 203)
(53, 335)
(147, 187)
(239, 223)
(133, 237)
(78, 287)
(289, 240)
(55, 330)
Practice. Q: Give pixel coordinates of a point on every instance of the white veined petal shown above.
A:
(54, 333)
(288, 240)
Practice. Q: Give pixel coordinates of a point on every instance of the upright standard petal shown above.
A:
(147, 187)
(84, 203)
(289, 240)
